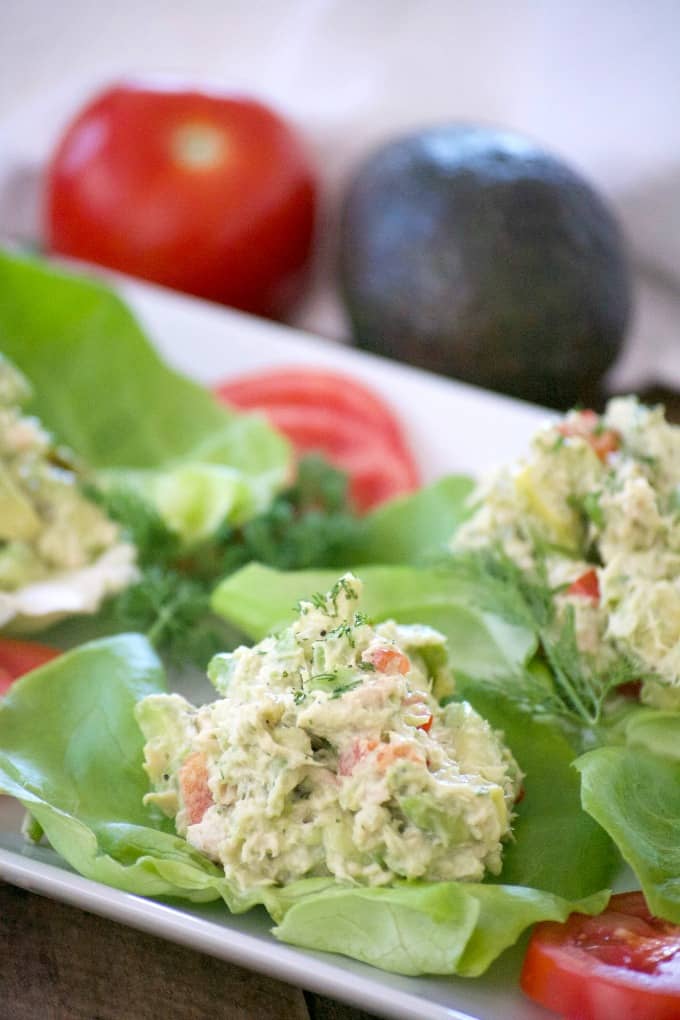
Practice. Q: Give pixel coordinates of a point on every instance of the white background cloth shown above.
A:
(597, 83)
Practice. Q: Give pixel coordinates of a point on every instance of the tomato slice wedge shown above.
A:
(303, 387)
(333, 414)
(377, 471)
(19, 657)
(623, 964)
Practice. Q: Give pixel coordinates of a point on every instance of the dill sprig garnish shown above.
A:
(573, 687)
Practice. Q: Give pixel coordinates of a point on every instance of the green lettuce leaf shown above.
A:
(444, 928)
(635, 796)
(258, 600)
(71, 751)
(550, 825)
(100, 386)
(411, 529)
(653, 730)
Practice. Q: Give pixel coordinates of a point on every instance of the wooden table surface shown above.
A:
(60, 963)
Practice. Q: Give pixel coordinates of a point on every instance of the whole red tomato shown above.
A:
(210, 194)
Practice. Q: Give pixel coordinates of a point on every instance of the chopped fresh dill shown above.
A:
(331, 684)
(343, 630)
(578, 689)
(342, 585)
(344, 688)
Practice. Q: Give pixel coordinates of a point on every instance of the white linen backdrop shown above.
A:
(596, 83)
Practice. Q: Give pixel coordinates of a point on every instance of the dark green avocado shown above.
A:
(473, 253)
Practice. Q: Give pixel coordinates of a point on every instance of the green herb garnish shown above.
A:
(305, 526)
(577, 689)
(174, 613)
(343, 688)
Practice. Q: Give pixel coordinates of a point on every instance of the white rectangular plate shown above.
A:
(451, 428)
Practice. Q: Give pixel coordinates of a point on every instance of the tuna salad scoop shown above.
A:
(597, 503)
(328, 754)
(59, 552)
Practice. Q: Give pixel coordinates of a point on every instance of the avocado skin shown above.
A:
(473, 253)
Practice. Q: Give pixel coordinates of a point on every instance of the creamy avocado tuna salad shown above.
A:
(329, 754)
(58, 550)
(596, 504)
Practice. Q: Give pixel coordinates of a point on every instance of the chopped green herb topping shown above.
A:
(344, 688)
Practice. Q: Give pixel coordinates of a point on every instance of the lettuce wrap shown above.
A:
(71, 752)
(101, 388)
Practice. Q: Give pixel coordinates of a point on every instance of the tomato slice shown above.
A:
(312, 388)
(377, 471)
(332, 414)
(19, 657)
(623, 964)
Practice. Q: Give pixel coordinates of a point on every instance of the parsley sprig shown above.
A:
(306, 526)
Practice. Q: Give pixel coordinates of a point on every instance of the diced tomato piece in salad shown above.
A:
(587, 586)
(193, 783)
(388, 754)
(389, 660)
(350, 757)
(588, 425)
(385, 754)
(630, 689)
